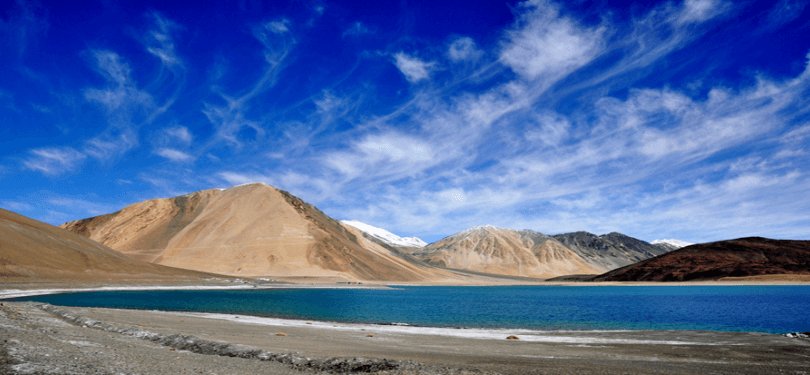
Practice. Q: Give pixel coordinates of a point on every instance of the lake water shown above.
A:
(774, 309)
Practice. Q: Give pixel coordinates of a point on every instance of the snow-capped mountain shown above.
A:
(385, 236)
(673, 243)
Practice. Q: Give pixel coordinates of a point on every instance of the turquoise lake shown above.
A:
(773, 309)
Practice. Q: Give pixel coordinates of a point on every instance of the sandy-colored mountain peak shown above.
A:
(506, 252)
(248, 230)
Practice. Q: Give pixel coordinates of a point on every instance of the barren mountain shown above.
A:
(742, 257)
(32, 251)
(248, 230)
(609, 251)
(505, 252)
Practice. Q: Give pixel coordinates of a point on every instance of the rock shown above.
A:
(512, 337)
(281, 334)
(370, 335)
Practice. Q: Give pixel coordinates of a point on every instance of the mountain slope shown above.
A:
(385, 236)
(734, 258)
(35, 251)
(505, 252)
(609, 251)
(248, 230)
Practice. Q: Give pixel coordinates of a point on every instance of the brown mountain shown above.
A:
(32, 251)
(249, 230)
(505, 252)
(742, 257)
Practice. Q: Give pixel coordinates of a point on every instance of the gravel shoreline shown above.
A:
(44, 339)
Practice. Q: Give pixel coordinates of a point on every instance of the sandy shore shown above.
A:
(39, 339)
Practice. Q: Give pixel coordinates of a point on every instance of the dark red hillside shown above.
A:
(751, 256)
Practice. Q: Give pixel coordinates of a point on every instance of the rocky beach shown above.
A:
(44, 339)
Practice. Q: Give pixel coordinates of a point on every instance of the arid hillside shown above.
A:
(744, 257)
(34, 252)
(505, 252)
(249, 230)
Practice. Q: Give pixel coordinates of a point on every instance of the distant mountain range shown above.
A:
(610, 251)
(505, 252)
(533, 254)
(255, 230)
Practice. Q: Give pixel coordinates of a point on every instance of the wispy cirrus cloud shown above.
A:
(231, 118)
(700, 10)
(659, 120)
(239, 178)
(125, 105)
(54, 160)
(180, 134)
(173, 154)
(501, 156)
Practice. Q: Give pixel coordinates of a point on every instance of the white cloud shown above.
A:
(83, 206)
(385, 155)
(238, 178)
(700, 10)
(635, 163)
(16, 206)
(179, 134)
(126, 106)
(551, 130)
(230, 118)
(328, 102)
(547, 46)
(279, 26)
(53, 160)
(160, 42)
(463, 49)
(110, 65)
(412, 68)
(111, 144)
(174, 155)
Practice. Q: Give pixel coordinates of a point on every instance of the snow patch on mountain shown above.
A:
(385, 236)
(676, 243)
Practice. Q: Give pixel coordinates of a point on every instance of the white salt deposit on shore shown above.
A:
(563, 337)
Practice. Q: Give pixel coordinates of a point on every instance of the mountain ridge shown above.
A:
(742, 257)
(505, 252)
(248, 230)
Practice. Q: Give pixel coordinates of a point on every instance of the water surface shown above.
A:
(774, 309)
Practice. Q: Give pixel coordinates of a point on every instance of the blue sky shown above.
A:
(686, 120)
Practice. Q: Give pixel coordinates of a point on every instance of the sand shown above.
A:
(40, 339)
